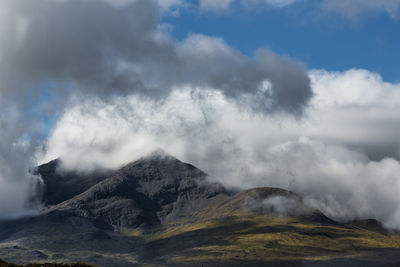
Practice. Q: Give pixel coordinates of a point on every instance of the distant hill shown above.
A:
(159, 211)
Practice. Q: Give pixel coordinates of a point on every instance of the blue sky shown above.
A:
(322, 40)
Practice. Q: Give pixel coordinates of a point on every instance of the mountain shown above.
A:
(150, 191)
(159, 211)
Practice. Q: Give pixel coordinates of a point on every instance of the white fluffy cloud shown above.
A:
(356, 108)
(325, 156)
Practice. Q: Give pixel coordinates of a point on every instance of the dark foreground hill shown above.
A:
(9, 264)
(159, 211)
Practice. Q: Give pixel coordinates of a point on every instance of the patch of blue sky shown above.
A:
(42, 108)
(302, 31)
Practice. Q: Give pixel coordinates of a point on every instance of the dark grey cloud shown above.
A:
(72, 41)
(105, 49)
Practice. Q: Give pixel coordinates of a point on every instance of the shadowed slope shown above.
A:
(61, 185)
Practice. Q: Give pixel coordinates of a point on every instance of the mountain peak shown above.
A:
(160, 153)
(152, 190)
(157, 157)
(63, 184)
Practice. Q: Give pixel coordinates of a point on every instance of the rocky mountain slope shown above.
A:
(149, 191)
(159, 211)
(61, 185)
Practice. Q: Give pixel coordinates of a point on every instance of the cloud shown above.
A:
(279, 205)
(53, 49)
(226, 4)
(329, 156)
(165, 5)
(280, 3)
(272, 3)
(353, 9)
(215, 5)
(172, 7)
(17, 184)
(122, 50)
(365, 113)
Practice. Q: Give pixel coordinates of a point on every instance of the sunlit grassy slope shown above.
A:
(228, 232)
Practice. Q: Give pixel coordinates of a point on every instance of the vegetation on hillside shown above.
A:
(227, 232)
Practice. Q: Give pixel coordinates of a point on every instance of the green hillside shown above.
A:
(229, 232)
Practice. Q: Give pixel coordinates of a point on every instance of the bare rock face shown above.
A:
(155, 190)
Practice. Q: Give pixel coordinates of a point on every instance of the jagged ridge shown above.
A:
(150, 191)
